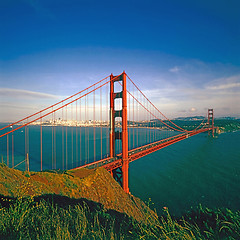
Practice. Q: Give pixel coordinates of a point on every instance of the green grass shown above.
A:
(26, 219)
(72, 216)
(215, 223)
(58, 217)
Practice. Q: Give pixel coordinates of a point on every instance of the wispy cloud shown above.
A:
(159, 95)
(14, 107)
(174, 69)
(25, 94)
(152, 93)
(18, 103)
(222, 94)
(225, 83)
(224, 86)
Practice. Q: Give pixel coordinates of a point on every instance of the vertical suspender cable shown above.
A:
(41, 142)
(134, 125)
(150, 126)
(147, 129)
(85, 130)
(52, 141)
(101, 120)
(76, 146)
(146, 119)
(94, 129)
(72, 130)
(62, 122)
(7, 151)
(25, 144)
(155, 127)
(88, 119)
(54, 136)
(137, 117)
(80, 131)
(66, 143)
(12, 148)
(107, 120)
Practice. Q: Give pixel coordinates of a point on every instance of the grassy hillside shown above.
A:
(58, 217)
(96, 185)
(89, 204)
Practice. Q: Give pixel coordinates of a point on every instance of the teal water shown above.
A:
(65, 147)
(198, 170)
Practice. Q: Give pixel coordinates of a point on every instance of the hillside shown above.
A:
(89, 204)
(96, 185)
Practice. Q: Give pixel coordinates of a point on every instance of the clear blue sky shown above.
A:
(188, 50)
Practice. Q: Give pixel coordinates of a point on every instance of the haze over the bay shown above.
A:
(184, 55)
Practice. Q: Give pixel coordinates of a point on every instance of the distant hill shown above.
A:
(195, 118)
(228, 118)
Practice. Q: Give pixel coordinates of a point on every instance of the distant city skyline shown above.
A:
(184, 55)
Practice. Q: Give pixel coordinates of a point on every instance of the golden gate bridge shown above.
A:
(100, 126)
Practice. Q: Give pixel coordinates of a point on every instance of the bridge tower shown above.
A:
(211, 121)
(120, 174)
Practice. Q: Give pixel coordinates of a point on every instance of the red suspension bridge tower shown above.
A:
(211, 121)
(69, 120)
(120, 174)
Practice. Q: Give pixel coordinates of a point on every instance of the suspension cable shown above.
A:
(55, 109)
(55, 104)
(154, 105)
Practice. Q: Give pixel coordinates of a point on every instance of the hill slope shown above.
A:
(96, 185)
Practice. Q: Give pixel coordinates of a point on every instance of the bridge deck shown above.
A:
(136, 153)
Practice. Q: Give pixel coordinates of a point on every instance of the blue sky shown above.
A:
(183, 54)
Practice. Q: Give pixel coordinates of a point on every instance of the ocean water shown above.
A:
(198, 170)
(62, 147)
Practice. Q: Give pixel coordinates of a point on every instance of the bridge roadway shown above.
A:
(112, 163)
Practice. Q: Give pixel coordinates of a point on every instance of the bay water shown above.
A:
(198, 170)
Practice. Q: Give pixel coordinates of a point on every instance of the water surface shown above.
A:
(198, 170)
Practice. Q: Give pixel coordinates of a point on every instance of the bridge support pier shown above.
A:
(120, 175)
